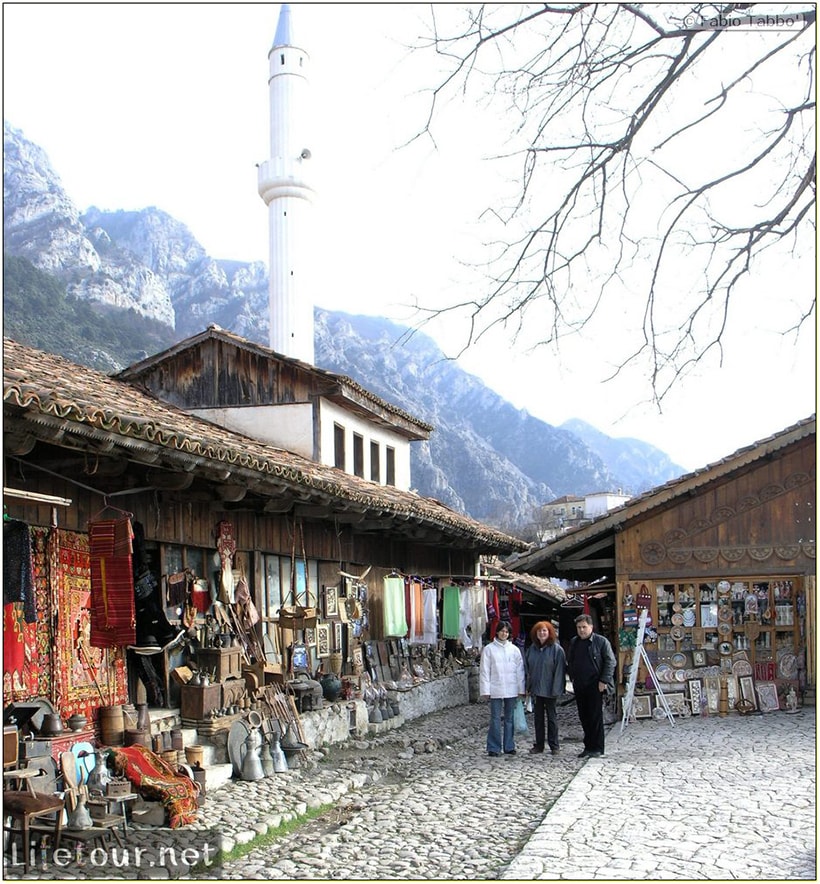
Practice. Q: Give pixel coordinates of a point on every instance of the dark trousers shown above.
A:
(546, 705)
(590, 703)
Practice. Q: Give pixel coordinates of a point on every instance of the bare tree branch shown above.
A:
(610, 107)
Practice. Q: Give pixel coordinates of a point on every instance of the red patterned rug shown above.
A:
(59, 661)
(157, 780)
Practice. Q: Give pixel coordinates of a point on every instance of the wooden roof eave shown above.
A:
(286, 487)
(576, 540)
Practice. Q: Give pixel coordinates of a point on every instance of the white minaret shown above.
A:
(283, 185)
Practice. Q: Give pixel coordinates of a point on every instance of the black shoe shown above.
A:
(494, 754)
(596, 754)
(583, 754)
(536, 749)
(509, 751)
(555, 751)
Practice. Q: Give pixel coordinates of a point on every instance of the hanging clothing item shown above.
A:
(18, 573)
(473, 616)
(451, 612)
(395, 622)
(416, 605)
(493, 608)
(429, 634)
(226, 547)
(113, 612)
(465, 618)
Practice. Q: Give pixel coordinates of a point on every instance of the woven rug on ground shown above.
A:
(156, 780)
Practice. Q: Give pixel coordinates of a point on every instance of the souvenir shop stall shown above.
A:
(717, 646)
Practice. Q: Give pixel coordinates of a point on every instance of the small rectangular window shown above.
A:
(391, 465)
(338, 446)
(375, 465)
(358, 455)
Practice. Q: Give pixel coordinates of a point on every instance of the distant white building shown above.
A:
(600, 502)
(571, 511)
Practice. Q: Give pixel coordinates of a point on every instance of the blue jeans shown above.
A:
(501, 708)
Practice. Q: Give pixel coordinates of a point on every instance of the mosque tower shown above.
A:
(284, 186)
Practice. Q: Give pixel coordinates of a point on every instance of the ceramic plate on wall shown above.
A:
(741, 667)
(677, 633)
(678, 660)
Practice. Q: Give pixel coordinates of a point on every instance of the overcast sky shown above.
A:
(166, 105)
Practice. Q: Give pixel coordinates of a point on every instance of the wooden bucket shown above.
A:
(171, 756)
(112, 725)
(195, 755)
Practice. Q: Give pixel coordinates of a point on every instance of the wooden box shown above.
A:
(225, 662)
(198, 701)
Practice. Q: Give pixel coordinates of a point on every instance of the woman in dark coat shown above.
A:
(546, 681)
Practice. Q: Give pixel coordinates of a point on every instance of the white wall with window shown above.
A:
(365, 448)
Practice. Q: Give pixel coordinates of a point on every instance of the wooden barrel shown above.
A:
(112, 725)
(137, 737)
(171, 756)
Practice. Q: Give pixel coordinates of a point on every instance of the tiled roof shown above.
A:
(663, 494)
(85, 403)
(132, 372)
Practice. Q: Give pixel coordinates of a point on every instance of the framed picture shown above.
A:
(747, 691)
(358, 660)
(698, 658)
(676, 703)
(712, 687)
(323, 640)
(642, 706)
(695, 695)
(331, 601)
(338, 626)
(310, 637)
(767, 696)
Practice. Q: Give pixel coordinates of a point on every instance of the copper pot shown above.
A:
(52, 725)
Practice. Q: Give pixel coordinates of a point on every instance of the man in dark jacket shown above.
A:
(591, 666)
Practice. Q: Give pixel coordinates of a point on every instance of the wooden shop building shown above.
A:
(723, 560)
(237, 470)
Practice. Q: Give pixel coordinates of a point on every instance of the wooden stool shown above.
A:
(23, 808)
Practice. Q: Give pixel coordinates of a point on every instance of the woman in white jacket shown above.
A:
(501, 678)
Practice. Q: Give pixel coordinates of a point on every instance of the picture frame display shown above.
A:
(331, 601)
(642, 706)
(698, 658)
(767, 696)
(323, 640)
(747, 690)
(695, 695)
(676, 703)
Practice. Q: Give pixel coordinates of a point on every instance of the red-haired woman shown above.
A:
(546, 681)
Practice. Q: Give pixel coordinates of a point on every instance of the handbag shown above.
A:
(519, 718)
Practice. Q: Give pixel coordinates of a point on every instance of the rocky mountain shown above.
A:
(486, 457)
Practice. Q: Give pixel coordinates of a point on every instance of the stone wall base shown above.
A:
(348, 719)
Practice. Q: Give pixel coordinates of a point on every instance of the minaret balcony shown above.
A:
(275, 182)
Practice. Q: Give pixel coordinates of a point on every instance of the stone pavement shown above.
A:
(706, 799)
(711, 799)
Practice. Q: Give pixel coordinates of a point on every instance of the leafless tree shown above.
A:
(661, 156)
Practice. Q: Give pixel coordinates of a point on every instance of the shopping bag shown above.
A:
(519, 719)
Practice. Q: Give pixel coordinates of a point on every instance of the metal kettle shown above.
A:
(251, 768)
